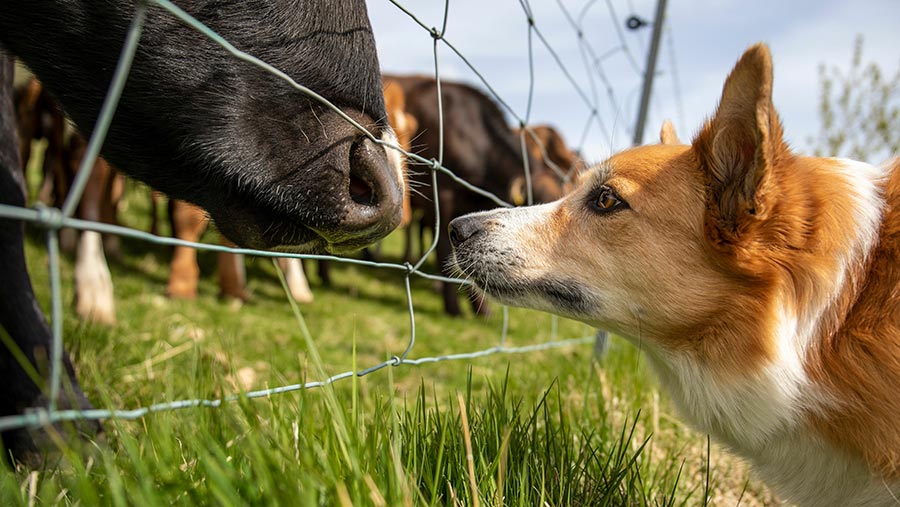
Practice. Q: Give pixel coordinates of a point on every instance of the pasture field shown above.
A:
(545, 428)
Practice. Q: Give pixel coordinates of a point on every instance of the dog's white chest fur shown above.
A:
(759, 417)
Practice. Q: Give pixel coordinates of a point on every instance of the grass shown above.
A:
(546, 428)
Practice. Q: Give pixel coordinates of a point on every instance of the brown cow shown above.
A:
(188, 223)
(479, 147)
(39, 117)
(546, 143)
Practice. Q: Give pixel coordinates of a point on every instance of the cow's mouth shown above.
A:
(267, 229)
(348, 212)
(336, 195)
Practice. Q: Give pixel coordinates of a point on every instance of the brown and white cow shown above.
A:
(40, 118)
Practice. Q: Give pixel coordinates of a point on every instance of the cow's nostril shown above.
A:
(364, 166)
(373, 197)
(361, 192)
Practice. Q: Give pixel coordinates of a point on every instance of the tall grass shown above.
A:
(551, 428)
(317, 448)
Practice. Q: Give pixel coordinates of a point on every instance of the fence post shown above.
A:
(649, 72)
(601, 345)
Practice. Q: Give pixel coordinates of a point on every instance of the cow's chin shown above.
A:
(271, 231)
(322, 246)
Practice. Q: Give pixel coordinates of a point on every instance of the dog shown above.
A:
(763, 286)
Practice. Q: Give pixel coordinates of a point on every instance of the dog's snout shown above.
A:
(464, 228)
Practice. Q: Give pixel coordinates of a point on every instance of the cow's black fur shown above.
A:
(273, 168)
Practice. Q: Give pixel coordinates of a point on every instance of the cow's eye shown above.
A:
(606, 200)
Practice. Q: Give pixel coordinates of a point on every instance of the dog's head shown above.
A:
(606, 254)
(673, 242)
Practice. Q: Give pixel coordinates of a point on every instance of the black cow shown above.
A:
(479, 147)
(272, 167)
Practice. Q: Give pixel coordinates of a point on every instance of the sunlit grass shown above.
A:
(546, 428)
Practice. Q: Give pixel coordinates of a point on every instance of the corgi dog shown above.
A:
(763, 286)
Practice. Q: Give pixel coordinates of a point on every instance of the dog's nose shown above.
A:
(464, 228)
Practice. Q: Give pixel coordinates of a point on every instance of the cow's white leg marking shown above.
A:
(296, 280)
(93, 285)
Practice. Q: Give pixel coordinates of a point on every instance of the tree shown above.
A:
(860, 111)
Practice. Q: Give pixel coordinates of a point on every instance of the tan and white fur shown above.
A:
(763, 286)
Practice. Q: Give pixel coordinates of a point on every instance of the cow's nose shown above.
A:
(375, 193)
(463, 228)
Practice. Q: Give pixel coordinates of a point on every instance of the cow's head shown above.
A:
(273, 167)
(545, 146)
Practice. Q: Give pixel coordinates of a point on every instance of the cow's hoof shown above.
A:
(179, 289)
(452, 310)
(94, 299)
(296, 280)
(302, 295)
(235, 299)
(179, 292)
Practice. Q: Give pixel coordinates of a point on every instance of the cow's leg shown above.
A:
(444, 250)
(407, 247)
(188, 223)
(55, 157)
(296, 280)
(94, 298)
(114, 188)
(324, 271)
(62, 175)
(232, 274)
(27, 118)
(425, 224)
(21, 317)
(155, 197)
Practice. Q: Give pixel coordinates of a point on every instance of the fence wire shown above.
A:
(53, 219)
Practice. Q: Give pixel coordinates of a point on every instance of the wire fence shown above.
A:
(53, 219)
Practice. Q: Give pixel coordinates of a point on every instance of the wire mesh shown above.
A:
(53, 219)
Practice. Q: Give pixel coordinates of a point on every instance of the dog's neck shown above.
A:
(857, 359)
(753, 407)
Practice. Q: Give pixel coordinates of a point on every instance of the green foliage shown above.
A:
(860, 110)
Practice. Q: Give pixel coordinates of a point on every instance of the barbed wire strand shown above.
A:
(56, 347)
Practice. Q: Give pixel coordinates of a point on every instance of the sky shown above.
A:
(701, 42)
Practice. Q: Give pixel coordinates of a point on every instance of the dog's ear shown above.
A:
(738, 148)
(667, 134)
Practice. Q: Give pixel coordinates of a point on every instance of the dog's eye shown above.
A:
(606, 200)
